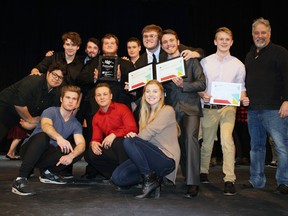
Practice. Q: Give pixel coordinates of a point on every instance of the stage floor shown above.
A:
(100, 198)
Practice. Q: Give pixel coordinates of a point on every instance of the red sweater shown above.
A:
(118, 120)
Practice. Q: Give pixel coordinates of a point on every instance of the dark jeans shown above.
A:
(38, 152)
(110, 158)
(144, 157)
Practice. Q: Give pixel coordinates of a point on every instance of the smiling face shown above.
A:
(151, 40)
(152, 94)
(92, 49)
(109, 46)
(70, 48)
(261, 35)
(223, 41)
(54, 78)
(170, 44)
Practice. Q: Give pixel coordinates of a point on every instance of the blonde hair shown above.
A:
(145, 110)
(224, 29)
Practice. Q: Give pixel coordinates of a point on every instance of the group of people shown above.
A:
(143, 136)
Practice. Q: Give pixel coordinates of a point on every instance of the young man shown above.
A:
(267, 88)
(110, 124)
(25, 100)
(221, 67)
(182, 94)
(48, 148)
(133, 49)
(74, 64)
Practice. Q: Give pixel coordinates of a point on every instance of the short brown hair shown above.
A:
(73, 36)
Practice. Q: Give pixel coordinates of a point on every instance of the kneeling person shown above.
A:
(48, 148)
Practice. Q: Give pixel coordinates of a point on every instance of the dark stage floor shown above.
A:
(98, 198)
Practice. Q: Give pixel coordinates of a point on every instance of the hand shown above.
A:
(188, 54)
(178, 81)
(126, 87)
(283, 112)
(65, 160)
(245, 101)
(205, 97)
(96, 147)
(64, 145)
(107, 142)
(95, 74)
(131, 134)
(125, 58)
(27, 125)
(49, 53)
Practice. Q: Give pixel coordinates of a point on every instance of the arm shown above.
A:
(79, 149)
(25, 114)
(161, 121)
(48, 128)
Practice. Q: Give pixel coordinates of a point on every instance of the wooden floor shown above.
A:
(98, 198)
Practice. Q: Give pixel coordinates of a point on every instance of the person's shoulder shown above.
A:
(208, 58)
(168, 108)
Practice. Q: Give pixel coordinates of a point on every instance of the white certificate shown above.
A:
(169, 69)
(138, 78)
(225, 93)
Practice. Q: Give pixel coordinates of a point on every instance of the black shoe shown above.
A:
(229, 188)
(22, 188)
(88, 176)
(192, 191)
(66, 174)
(51, 178)
(204, 178)
(247, 185)
(282, 189)
(151, 186)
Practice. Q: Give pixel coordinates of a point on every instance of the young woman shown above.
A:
(154, 152)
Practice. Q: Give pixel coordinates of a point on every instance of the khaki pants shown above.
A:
(209, 125)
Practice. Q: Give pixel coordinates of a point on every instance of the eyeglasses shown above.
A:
(57, 77)
(153, 36)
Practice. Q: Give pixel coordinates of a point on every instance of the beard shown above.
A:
(260, 43)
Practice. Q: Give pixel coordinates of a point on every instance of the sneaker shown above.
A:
(282, 189)
(273, 164)
(65, 174)
(204, 178)
(50, 178)
(229, 188)
(20, 186)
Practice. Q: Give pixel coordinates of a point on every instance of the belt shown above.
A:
(213, 106)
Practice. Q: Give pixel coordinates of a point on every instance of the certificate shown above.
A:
(107, 68)
(138, 78)
(225, 93)
(169, 69)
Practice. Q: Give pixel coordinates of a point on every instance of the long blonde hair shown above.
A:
(145, 110)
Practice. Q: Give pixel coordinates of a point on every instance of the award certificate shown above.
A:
(225, 93)
(167, 70)
(138, 78)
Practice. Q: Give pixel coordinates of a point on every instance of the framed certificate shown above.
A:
(225, 93)
(167, 70)
(107, 68)
(138, 78)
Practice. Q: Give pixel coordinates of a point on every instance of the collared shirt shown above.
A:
(73, 68)
(118, 120)
(150, 54)
(31, 91)
(230, 69)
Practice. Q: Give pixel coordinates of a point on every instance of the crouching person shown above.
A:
(48, 148)
(154, 153)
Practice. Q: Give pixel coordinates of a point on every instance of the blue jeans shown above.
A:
(144, 157)
(259, 123)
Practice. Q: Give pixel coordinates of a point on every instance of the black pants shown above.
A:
(38, 152)
(106, 163)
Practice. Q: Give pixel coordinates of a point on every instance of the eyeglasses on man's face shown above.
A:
(153, 36)
(56, 76)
